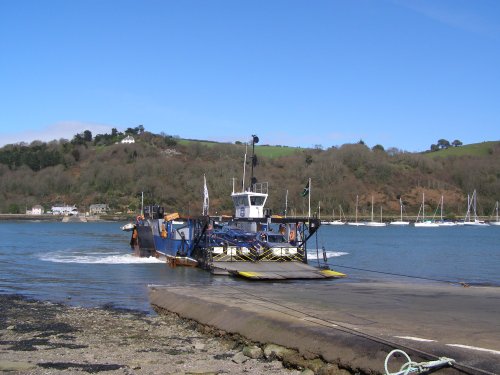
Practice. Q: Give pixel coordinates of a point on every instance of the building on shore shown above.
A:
(36, 210)
(98, 209)
(64, 210)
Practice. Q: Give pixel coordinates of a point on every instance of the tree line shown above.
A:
(444, 144)
(98, 169)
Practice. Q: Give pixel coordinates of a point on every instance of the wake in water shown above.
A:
(313, 255)
(72, 256)
(95, 258)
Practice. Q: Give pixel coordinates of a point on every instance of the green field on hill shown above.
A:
(267, 151)
(473, 149)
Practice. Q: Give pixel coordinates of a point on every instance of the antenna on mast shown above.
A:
(253, 180)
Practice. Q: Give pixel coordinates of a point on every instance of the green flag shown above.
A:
(305, 192)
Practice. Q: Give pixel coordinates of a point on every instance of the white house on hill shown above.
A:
(128, 139)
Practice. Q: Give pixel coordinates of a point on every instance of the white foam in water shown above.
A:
(311, 254)
(118, 258)
(96, 258)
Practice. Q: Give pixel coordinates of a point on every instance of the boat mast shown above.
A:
(372, 208)
(442, 201)
(309, 197)
(357, 198)
(142, 203)
(206, 199)
(423, 207)
(244, 169)
(401, 208)
(286, 202)
(255, 140)
(475, 201)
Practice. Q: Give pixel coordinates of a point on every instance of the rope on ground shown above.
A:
(402, 275)
(411, 367)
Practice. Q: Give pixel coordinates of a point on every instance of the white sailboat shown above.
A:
(356, 223)
(373, 223)
(497, 222)
(400, 221)
(469, 220)
(333, 221)
(442, 222)
(424, 223)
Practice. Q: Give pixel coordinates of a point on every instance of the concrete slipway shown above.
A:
(354, 324)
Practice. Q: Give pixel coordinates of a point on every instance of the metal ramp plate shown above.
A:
(273, 270)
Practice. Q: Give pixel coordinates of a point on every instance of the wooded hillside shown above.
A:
(169, 171)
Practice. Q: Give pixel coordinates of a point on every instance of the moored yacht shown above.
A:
(400, 221)
(497, 222)
(471, 218)
(373, 223)
(424, 223)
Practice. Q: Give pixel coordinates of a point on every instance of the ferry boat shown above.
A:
(252, 243)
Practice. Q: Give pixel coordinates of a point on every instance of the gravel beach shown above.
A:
(46, 338)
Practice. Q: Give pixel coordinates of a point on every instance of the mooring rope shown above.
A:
(400, 274)
(411, 367)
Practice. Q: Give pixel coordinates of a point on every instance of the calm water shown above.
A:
(90, 264)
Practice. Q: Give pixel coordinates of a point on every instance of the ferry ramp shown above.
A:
(353, 324)
(272, 270)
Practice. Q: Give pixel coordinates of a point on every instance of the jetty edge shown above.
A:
(353, 325)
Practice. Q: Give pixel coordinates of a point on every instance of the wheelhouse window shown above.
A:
(241, 201)
(257, 201)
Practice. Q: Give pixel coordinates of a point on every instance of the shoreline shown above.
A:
(56, 218)
(40, 337)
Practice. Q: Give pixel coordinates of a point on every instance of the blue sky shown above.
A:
(398, 73)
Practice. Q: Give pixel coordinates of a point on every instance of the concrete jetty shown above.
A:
(353, 324)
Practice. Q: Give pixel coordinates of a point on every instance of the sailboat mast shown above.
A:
(357, 198)
(372, 207)
(442, 202)
(423, 207)
(401, 208)
(475, 201)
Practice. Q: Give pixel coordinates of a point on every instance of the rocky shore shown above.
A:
(46, 338)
